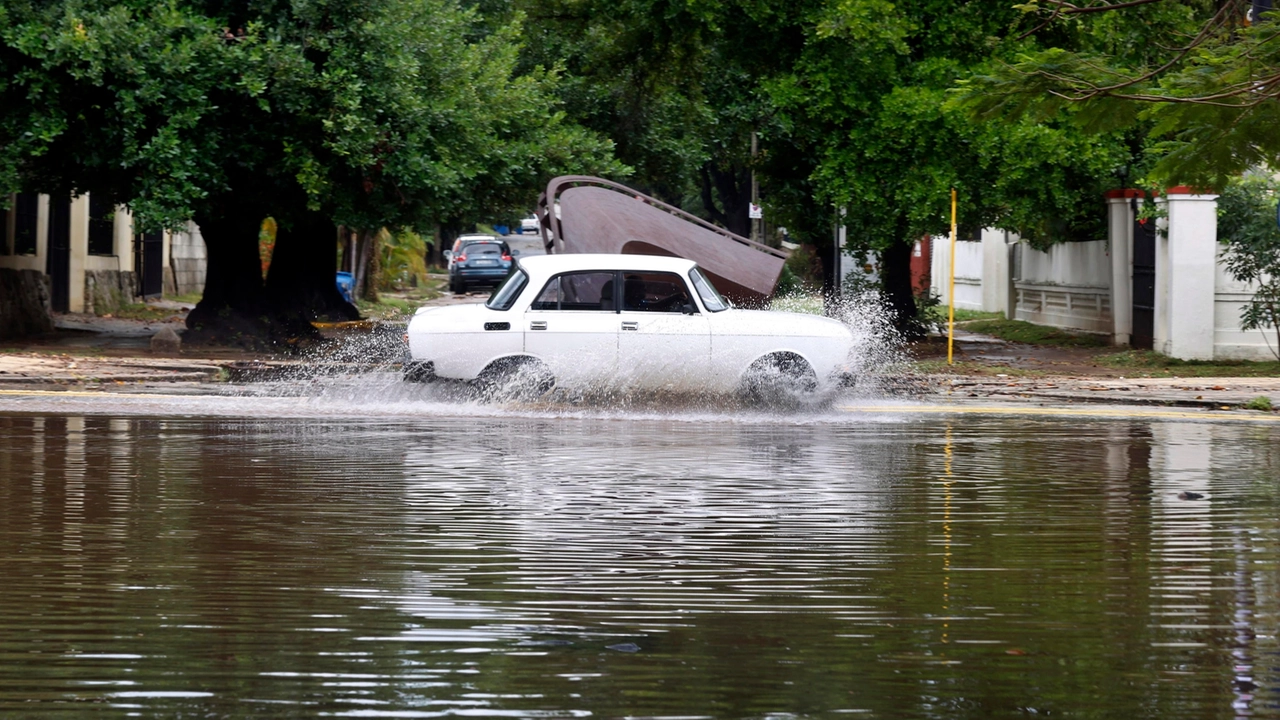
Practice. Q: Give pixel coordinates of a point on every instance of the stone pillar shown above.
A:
(1120, 246)
(1186, 256)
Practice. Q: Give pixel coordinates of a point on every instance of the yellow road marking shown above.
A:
(87, 393)
(1075, 411)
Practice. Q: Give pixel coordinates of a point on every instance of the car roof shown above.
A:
(480, 238)
(569, 262)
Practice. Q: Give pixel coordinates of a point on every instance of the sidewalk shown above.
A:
(1220, 393)
(1016, 371)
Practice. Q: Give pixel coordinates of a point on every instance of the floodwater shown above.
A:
(285, 557)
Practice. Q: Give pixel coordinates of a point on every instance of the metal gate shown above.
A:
(1144, 284)
(148, 263)
(58, 264)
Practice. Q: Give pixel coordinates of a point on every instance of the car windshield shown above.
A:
(484, 249)
(504, 296)
(710, 296)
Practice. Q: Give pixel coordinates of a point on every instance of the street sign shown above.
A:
(756, 213)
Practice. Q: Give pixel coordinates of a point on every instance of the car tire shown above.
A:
(781, 381)
(514, 380)
(456, 287)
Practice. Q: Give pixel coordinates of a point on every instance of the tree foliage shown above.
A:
(850, 101)
(1201, 78)
(320, 112)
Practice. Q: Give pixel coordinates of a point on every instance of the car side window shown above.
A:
(577, 292)
(655, 292)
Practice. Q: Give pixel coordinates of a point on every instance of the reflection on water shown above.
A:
(609, 566)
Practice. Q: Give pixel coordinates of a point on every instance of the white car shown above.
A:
(529, 225)
(625, 322)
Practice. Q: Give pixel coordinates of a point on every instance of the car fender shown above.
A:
(742, 337)
(454, 340)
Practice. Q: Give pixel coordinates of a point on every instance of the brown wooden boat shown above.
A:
(583, 214)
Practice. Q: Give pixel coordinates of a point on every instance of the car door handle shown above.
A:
(630, 325)
(538, 325)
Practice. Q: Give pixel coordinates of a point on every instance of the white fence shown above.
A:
(1085, 286)
(1069, 286)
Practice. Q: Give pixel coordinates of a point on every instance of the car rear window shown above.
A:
(577, 291)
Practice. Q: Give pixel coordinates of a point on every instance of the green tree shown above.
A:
(1199, 76)
(850, 101)
(872, 87)
(314, 113)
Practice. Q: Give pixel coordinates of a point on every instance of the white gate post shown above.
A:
(1120, 245)
(1187, 261)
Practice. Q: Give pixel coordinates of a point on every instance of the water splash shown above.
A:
(362, 370)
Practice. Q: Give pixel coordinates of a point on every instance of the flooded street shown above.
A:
(370, 552)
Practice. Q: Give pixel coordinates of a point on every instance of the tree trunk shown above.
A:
(233, 308)
(236, 308)
(301, 284)
(348, 252)
(733, 188)
(373, 265)
(895, 276)
(435, 254)
(364, 280)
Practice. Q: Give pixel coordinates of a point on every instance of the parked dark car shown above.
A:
(480, 262)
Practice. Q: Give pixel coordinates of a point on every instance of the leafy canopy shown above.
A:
(1200, 77)
(373, 112)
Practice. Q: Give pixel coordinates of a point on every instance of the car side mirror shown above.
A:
(689, 309)
(515, 253)
(448, 254)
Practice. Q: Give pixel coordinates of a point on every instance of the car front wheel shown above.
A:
(782, 381)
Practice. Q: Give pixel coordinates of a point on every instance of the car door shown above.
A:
(572, 326)
(664, 340)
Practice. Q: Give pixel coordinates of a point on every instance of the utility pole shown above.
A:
(756, 223)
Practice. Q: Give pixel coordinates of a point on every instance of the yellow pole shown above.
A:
(951, 289)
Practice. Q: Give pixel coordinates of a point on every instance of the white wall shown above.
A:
(187, 260)
(969, 267)
(1068, 287)
(1229, 341)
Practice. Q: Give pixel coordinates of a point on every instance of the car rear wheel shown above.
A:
(514, 379)
(782, 381)
(419, 372)
(456, 287)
